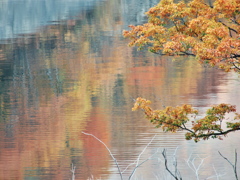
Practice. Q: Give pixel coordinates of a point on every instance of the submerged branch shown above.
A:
(166, 165)
(234, 166)
(108, 151)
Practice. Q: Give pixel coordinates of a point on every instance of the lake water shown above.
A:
(66, 69)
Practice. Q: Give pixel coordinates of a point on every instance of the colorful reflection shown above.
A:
(80, 75)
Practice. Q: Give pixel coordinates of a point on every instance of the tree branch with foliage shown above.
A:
(178, 118)
(211, 32)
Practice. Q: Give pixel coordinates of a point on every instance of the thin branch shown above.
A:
(192, 166)
(176, 26)
(234, 166)
(139, 156)
(186, 53)
(73, 172)
(235, 55)
(234, 20)
(108, 151)
(210, 4)
(217, 174)
(236, 66)
(128, 166)
(136, 162)
(183, 22)
(235, 163)
(140, 165)
(194, 134)
(166, 165)
(216, 133)
(181, 127)
(177, 172)
(231, 29)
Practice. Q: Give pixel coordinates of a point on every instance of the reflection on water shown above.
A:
(23, 16)
(81, 76)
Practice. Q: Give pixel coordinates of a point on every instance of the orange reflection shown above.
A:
(96, 160)
(47, 138)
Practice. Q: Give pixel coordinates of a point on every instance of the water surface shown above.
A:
(73, 72)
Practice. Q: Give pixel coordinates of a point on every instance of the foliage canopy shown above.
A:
(209, 31)
(178, 118)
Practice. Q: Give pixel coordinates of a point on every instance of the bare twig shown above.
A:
(192, 166)
(141, 164)
(114, 159)
(139, 156)
(177, 173)
(73, 172)
(234, 166)
(92, 178)
(137, 163)
(217, 175)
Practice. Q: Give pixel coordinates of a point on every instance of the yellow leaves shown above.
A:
(152, 30)
(148, 33)
(170, 118)
(211, 33)
(203, 26)
(218, 31)
(226, 7)
(199, 8)
(210, 41)
(166, 2)
(171, 47)
(237, 116)
(179, 43)
(141, 103)
(213, 115)
(228, 47)
(174, 118)
(167, 9)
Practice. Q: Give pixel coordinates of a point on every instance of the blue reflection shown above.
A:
(25, 16)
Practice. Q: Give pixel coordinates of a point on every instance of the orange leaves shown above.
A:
(152, 30)
(218, 31)
(176, 118)
(227, 7)
(203, 26)
(210, 33)
(146, 34)
(214, 115)
(170, 119)
(143, 104)
(198, 25)
(171, 47)
(198, 8)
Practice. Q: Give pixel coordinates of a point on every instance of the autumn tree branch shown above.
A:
(176, 118)
(208, 29)
(237, 67)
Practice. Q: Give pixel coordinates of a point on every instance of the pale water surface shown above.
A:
(66, 69)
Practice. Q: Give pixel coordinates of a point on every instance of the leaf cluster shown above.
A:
(211, 32)
(178, 118)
